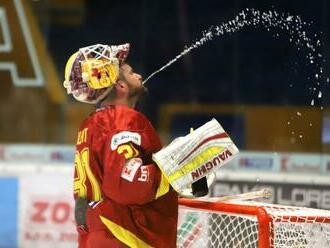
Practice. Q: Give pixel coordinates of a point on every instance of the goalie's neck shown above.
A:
(117, 102)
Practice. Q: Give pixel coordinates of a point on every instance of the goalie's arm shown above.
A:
(128, 180)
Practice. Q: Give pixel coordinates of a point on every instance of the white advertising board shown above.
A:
(46, 217)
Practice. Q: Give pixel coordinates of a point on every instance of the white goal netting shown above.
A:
(251, 224)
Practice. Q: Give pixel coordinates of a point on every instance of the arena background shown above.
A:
(256, 84)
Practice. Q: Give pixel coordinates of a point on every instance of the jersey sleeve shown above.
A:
(129, 177)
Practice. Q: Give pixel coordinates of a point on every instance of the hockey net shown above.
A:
(244, 224)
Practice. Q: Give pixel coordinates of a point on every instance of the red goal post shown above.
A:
(247, 224)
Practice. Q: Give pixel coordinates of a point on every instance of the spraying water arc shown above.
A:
(270, 20)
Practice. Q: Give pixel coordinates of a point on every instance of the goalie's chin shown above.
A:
(143, 93)
(139, 92)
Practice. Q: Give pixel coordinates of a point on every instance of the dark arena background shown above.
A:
(264, 77)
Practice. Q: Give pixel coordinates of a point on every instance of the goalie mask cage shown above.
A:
(240, 224)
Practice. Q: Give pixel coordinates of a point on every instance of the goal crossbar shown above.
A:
(277, 225)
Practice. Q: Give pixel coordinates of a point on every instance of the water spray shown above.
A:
(270, 20)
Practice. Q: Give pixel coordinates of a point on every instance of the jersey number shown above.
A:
(128, 150)
(84, 172)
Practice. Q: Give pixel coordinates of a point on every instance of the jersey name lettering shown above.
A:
(82, 136)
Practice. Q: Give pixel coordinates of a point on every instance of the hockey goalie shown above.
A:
(121, 197)
(188, 160)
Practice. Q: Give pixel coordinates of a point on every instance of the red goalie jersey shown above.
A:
(113, 168)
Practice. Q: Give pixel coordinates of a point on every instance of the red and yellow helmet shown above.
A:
(91, 72)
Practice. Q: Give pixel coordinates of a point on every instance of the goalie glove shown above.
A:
(189, 158)
(200, 187)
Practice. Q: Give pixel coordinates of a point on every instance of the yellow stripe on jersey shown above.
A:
(125, 236)
(163, 187)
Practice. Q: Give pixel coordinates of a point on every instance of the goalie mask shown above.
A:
(91, 72)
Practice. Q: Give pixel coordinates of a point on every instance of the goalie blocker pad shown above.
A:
(189, 158)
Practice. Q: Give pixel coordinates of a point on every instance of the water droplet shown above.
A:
(320, 94)
(310, 124)
(289, 122)
(298, 113)
(289, 18)
(312, 102)
(300, 136)
(292, 132)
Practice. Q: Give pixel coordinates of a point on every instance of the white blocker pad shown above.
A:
(189, 158)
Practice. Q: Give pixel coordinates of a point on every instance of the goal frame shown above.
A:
(265, 220)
